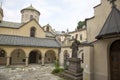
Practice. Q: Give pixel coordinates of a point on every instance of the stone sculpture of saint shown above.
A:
(74, 48)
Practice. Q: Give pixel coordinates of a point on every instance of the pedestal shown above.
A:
(74, 71)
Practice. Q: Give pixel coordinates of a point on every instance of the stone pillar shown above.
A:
(26, 63)
(43, 60)
(8, 61)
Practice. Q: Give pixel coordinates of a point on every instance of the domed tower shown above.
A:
(1, 13)
(29, 13)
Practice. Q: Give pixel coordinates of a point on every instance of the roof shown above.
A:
(30, 8)
(10, 24)
(78, 30)
(10, 40)
(111, 25)
(49, 34)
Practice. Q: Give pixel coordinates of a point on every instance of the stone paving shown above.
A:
(32, 72)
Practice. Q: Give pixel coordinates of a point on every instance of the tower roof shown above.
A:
(112, 25)
(30, 8)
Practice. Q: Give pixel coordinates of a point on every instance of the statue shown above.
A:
(74, 70)
(74, 48)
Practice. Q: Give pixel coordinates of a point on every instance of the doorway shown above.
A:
(115, 60)
(33, 57)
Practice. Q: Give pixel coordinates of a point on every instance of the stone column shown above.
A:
(26, 63)
(43, 60)
(8, 61)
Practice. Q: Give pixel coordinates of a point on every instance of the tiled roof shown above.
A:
(49, 34)
(112, 24)
(30, 8)
(9, 40)
(10, 24)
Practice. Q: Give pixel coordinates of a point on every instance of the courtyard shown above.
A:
(32, 72)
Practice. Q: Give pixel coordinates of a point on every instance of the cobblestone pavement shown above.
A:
(32, 72)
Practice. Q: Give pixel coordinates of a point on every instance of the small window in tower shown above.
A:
(32, 32)
(31, 17)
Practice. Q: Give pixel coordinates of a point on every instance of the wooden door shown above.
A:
(115, 61)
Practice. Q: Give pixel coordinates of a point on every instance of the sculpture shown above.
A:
(74, 48)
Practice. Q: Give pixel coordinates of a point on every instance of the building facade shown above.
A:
(68, 38)
(26, 42)
(101, 59)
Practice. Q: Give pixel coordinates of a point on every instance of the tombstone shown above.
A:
(74, 71)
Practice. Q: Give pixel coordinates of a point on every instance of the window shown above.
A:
(47, 28)
(80, 36)
(82, 57)
(32, 32)
(76, 36)
(31, 17)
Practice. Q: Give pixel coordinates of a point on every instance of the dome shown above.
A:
(30, 8)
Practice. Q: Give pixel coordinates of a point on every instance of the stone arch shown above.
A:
(50, 56)
(17, 57)
(114, 59)
(3, 57)
(35, 57)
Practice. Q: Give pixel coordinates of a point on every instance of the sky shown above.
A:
(60, 14)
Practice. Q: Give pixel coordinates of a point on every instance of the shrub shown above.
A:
(57, 68)
(57, 65)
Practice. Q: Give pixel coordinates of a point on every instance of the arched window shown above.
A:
(32, 32)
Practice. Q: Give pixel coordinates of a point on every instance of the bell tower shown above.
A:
(29, 13)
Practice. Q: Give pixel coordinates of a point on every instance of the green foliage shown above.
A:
(80, 24)
(57, 68)
(57, 65)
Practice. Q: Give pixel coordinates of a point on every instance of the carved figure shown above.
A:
(74, 48)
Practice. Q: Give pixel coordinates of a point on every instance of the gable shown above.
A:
(27, 27)
(24, 30)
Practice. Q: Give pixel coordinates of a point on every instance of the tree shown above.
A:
(80, 24)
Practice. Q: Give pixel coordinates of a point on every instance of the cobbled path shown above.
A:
(32, 72)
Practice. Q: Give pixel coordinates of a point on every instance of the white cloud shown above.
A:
(61, 14)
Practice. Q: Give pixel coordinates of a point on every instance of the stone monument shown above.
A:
(74, 71)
